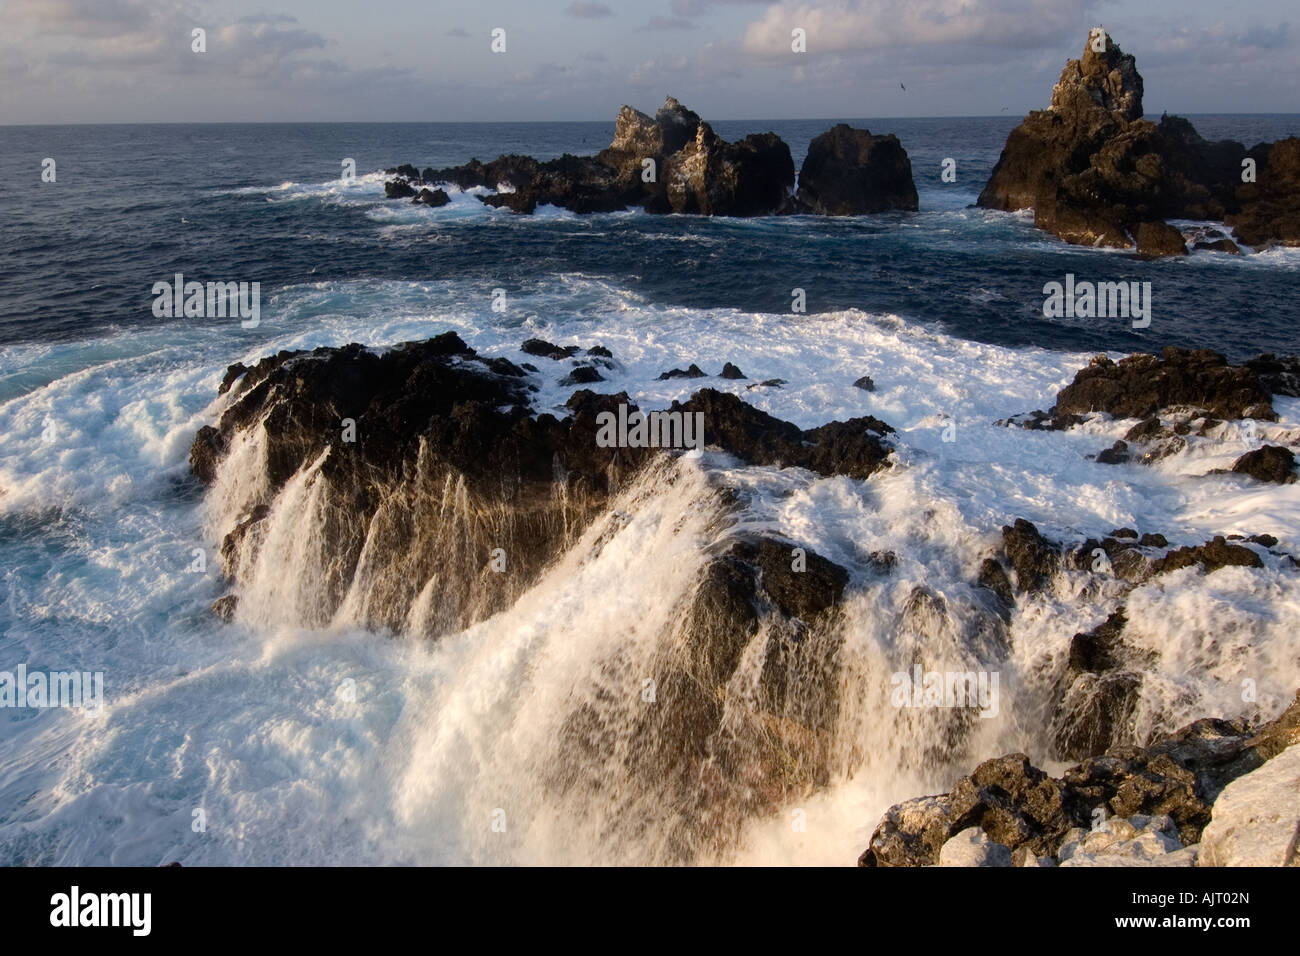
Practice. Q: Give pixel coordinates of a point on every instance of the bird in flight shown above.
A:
(904, 87)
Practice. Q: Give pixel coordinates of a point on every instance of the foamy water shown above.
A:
(333, 745)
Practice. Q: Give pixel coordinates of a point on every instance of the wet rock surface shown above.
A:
(1021, 808)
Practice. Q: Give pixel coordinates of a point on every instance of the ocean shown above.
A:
(268, 741)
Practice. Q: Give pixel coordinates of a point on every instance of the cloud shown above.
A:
(853, 26)
(669, 23)
(585, 10)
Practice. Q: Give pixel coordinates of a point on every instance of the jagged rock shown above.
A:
(599, 351)
(1141, 385)
(206, 452)
(849, 172)
(731, 371)
(429, 412)
(856, 447)
(1279, 376)
(1270, 463)
(1140, 840)
(694, 371)
(711, 177)
(1256, 819)
(1095, 172)
(233, 374)
(544, 349)
(1017, 805)
(1270, 207)
(398, 189)
(1034, 558)
(511, 170)
(1210, 556)
(767, 383)
(404, 171)
(1098, 696)
(432, 197)
(865, 383)
(582, 375)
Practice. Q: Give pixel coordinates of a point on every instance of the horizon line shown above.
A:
(535, 122)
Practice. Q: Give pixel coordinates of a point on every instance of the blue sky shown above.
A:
(75, 61)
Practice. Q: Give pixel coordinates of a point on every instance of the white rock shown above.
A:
(972, 847)
(1256, 819)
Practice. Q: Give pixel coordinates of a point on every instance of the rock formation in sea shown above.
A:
(674, 162)
(1095, 172)
(849, 172)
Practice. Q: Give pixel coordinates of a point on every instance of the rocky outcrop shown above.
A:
(389, 432)
(1021, 808)
(1270, 206)
(1142, 385)
(432, 197)
(674, 162)
(1271, 463)
(1096, 172)
(849, 172)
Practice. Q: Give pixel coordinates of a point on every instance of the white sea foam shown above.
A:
(332, 746)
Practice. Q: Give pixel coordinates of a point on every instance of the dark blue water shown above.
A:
(133, 205)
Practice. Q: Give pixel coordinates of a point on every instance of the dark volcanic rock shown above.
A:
(1034, 558)
(693, 372)
(1270, 463)
(711, 177)
(865, 383)
(1210, 556)
(432, 197)
(427, 413)
(1279, 376)
(1139, 386)
(731, 371)
(1270, 207)
(672, 163)
(849, 172)
(398, 189)
(582, 375)
(1096, 173)
(544, 349)
(1018, 805)
(855, 448)
(1098, 693)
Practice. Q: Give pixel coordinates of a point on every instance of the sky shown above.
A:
(133, 61)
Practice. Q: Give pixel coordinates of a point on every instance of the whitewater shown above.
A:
(271, 741)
